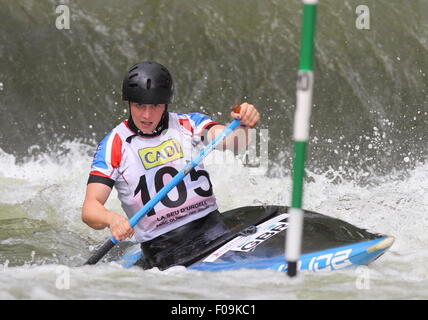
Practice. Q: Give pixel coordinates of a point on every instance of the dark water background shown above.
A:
(370, 99)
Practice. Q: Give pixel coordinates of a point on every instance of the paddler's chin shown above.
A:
(147, 126)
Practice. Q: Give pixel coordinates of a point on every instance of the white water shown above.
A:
(51, 190)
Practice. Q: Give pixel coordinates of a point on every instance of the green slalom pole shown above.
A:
(302, 115)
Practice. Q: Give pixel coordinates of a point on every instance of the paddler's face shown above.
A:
(147, 116)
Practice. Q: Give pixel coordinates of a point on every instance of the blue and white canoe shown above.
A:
(257, 241)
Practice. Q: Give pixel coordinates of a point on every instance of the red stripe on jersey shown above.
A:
(186, 124)
(208, 124)
(97, 173)
(116, 151)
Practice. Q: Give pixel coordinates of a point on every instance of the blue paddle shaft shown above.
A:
(180, 175)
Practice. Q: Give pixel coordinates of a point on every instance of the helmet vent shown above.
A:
(132, 69)
(149, 84)
(133, 75)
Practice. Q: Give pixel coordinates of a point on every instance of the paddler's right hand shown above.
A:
(119, 227)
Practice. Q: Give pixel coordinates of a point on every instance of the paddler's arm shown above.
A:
(239, 139)
(95, 215)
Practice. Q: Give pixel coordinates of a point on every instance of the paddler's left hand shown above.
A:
(247, 113)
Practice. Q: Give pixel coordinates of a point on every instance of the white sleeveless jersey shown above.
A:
(141, 166)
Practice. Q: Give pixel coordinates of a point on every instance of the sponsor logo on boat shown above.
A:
(331, 261)
(248, 243)
(251, 244)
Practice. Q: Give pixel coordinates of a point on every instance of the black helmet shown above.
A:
(148, 82)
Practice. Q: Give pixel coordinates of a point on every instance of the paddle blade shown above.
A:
(101, 252)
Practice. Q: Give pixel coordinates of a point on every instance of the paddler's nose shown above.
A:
(146, 111)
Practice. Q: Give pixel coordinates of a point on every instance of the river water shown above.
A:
(367, 159)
